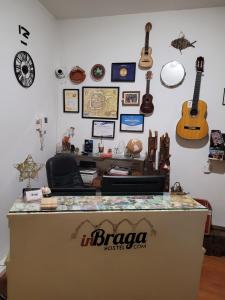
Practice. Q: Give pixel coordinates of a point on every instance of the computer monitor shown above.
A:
(133, 185)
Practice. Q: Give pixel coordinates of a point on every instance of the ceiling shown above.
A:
(68, 9)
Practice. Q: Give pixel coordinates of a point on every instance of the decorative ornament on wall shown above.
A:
(60, 73)
(41, 129)
(77, 75)
(182, 43)
(98, 72)
(172, 74)
(24, 69)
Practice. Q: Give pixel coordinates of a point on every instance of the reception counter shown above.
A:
(106, 247)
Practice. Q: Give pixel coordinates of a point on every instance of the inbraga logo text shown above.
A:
(118, 241)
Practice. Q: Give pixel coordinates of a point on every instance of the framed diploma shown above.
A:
(103, 129)
(71, 100)
(132, 122)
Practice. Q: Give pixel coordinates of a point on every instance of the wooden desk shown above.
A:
(127, 247)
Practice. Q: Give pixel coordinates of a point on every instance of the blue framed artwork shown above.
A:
(123, 72)
(132, 122)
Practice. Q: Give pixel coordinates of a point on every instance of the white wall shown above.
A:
(19, 106)
(85, 42)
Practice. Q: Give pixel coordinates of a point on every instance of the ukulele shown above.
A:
(146, 60)
(147, 106)
(193, 125)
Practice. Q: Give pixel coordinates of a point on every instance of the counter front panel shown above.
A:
(106, 247)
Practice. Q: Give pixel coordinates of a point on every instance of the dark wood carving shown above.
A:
(163, 158)
(152, 148)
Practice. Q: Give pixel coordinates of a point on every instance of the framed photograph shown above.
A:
(131, 98)
(123, 72)
(71, 100)
(103, 129)
(223, 103)
(132, 122)
(100, 102)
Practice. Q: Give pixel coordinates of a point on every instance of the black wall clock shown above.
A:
(24, 69)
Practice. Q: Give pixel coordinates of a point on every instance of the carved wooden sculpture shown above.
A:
(164, 153)
(152, 148)
(164, 158)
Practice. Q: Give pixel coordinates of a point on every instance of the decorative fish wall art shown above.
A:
(182, 43)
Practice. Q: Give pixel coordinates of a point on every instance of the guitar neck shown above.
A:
(197, 90)
(148, 86)
(146, 42)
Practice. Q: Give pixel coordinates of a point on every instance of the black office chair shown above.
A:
(64, 176)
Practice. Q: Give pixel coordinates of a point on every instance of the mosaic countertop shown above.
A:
(111, 203)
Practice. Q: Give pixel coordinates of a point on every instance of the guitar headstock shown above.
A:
(149, 75)
(200, 64)
(148, 27)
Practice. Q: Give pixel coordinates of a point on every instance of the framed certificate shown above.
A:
(123, 72)
(132, 122)
(71, 100)
(103, 129)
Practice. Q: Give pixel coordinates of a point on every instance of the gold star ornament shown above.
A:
(28, 169)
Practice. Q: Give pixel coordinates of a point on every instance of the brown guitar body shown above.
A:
(147, 106)
(193, 127)
(146, 60)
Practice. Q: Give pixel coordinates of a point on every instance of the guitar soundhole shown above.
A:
(194, 112)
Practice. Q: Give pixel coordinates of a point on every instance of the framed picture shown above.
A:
(103, 129)
(223, 103)
(100, 102)
(131, 98)
(71, 100)
(123, 71)
(132, 122)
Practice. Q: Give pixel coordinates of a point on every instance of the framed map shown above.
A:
(100, 102)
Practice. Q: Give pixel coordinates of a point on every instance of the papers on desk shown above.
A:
(119, 171)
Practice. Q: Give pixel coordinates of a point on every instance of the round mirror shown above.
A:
(172, 74)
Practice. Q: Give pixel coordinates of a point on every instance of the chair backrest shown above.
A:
(63, 172)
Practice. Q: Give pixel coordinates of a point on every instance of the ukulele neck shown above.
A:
(147, 86)
(146, 42)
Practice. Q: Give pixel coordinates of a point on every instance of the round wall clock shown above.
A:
(24, 69)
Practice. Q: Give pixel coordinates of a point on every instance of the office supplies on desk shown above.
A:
(88, 175)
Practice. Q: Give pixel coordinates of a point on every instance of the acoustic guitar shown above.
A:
(193, 124)
(147, 106)
(146, 60)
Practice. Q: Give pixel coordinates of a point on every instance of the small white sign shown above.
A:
(33, 195)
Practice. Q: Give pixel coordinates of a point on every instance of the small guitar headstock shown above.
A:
(149, 75)
(148, 27)
(200, 64)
